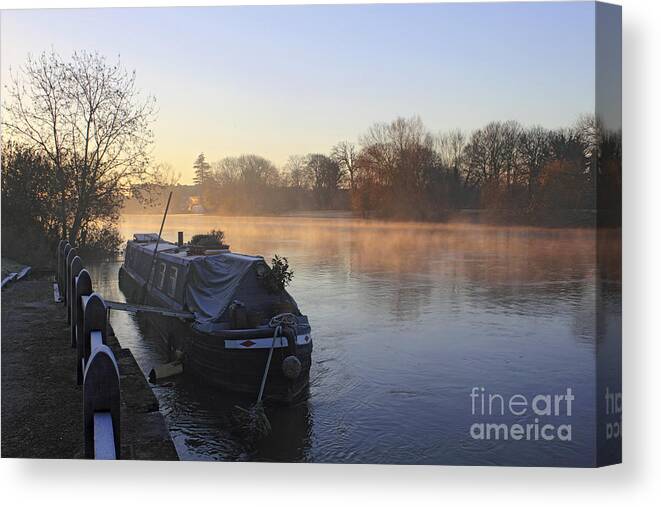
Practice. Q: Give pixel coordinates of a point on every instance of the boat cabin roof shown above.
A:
(180, 254)
(142, 237)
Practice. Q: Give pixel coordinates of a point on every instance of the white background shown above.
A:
(637, 481)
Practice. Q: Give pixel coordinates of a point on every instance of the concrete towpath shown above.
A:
(42, 405)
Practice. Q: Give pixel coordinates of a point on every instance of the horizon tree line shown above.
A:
(401, 170)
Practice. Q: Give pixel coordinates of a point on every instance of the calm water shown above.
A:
(407, 319)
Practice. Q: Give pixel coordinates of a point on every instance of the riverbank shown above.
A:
(42, 405)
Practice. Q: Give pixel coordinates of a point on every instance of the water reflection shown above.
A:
(407, 318)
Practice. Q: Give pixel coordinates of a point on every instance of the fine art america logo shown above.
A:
(544, 409)
(613, 418)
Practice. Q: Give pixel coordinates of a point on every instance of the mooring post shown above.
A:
(101, 405)
(180, 238)
(70, 256)
(94, 320)
(83, 288)
(76, 268)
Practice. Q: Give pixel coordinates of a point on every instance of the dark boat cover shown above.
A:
(213, 281)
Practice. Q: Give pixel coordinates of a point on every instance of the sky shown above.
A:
(284, 80)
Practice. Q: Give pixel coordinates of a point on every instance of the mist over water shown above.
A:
(407, 319)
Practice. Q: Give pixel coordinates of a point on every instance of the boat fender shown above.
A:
(290, 333)
(291, 367)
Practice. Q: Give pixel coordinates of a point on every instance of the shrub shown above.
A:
(279, 276)
(101, 241)
(210, 239)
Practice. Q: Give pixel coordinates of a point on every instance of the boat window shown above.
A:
(172, 280)
(161, 275)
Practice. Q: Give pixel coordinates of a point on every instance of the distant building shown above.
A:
(195, 204)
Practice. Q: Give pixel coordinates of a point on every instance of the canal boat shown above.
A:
(235, 317)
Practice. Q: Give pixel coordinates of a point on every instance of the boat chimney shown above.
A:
(180, 238)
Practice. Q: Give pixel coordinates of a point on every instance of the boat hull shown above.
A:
(220, 359)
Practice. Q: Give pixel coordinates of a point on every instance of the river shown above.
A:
(407, 320)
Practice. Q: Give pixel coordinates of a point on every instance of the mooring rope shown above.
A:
(253, 421)
(277, 332)
(283, 319)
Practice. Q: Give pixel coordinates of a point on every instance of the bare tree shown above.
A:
(534, 149)
(295, 173)
(399, 170)
(450, 147)
(491, 152)
(345, 154)
(246, 183)
(590, 133)
(494, 143)
(511, 130)
(167, 176)
(89, 119)
(390, 151)
(326, 176)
